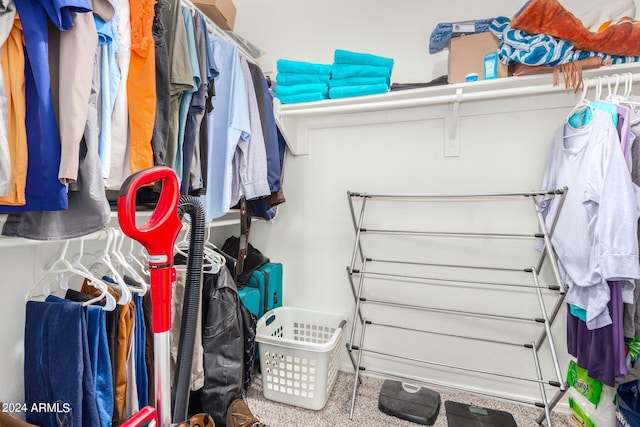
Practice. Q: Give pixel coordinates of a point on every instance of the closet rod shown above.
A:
(457, 312)
(458, 281)
(325, 107)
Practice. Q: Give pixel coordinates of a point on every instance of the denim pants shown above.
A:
(57, 366)
(139, 341)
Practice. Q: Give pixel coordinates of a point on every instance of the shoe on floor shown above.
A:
(239, 415)
(198, 420)
(201, 420)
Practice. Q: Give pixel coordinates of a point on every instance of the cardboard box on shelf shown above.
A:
(221, 12)
(466, 55)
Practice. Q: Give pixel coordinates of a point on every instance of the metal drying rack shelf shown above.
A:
(360, 270)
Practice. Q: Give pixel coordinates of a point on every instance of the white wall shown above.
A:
(307, 30)
(503, 149)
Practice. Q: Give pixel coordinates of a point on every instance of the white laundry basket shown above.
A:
(299, 355)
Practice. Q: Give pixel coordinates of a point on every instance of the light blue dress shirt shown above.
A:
(227, 123)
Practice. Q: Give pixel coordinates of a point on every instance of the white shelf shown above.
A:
(293, 118)
(232, 218)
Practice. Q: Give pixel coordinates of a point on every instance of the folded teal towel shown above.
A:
(302, 97)
(297, 89)
(347, 57)
(340, 71)
(287, 66)
(359, 81)
(297, 79)
(349, 91)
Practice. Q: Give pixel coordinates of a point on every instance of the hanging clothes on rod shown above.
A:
(115, 378)
(61, 372)
(130, 106)
(596, 239)
(43, 190)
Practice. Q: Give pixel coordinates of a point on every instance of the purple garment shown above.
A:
(600, 351)
(617, 310)
(624, 132)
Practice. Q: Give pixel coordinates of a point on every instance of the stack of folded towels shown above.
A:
(359, 74)
(299, 81)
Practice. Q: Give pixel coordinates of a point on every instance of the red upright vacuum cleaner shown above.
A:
(157, 235)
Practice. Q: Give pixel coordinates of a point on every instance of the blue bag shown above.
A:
(251, 299)
(628, 413)
(268, 280)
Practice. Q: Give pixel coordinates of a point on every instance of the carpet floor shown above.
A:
(366, 412)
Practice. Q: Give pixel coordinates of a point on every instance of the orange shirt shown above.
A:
(141, 85)
(14, 80)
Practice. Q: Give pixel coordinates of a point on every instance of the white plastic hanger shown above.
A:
(53, 272)
(580, 109)
(119, 260)
(110, 301)
(217, 258)
(628, 89)
(583, 102)
(599, 88)
(133, 259)
(60, 270)
(212, 260)
(181, 246)
(103, 260)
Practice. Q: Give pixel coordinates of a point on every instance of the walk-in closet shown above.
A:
(425, 215)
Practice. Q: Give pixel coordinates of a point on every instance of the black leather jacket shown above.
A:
(227, 348)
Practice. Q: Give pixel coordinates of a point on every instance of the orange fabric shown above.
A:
(141, 85)
(13, 73)
(126, 318)
(550, 17)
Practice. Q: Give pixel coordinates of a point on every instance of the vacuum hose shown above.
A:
(182, 376)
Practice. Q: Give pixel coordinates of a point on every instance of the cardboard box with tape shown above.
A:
(467, 55)
(221, 12)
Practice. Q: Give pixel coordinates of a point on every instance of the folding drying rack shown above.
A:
(364, 269)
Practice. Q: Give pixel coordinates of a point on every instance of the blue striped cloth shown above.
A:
(516, 46)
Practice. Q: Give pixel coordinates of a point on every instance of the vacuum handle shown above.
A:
(144, 417)
(159, 233)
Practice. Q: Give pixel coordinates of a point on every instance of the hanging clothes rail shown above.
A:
(296, 120)
(231, 219)
(461, 92)
(364, 269)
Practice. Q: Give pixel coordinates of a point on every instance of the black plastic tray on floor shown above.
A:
(408, 402)
(463, 415)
